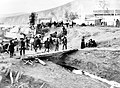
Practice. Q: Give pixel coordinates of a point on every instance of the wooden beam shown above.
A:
(47, 55)
(41, 62)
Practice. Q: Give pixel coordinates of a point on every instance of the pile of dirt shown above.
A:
(104, 36)
(54, 76)
(104, 63)
(113, 43)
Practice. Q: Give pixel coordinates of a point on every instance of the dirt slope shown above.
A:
(104, 63)
(58, 77)
(104, 36)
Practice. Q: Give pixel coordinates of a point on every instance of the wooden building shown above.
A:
(108, 17)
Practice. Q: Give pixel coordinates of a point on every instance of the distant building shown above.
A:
(107, 17)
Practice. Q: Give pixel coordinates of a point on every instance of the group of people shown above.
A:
(55, 24)
(12, 46)
(19, 45)
(55, 42)
(35, 43)
(90, 43)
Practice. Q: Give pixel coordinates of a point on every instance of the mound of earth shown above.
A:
(104, 36)
(103, 63)
(54, 76)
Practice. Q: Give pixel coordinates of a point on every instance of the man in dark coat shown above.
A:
(16, 43)
(83, 43)
(57, 45)
(22, 48)
(11, 48)
(64, 31)
(35, 43)
(64, 42)
(90, 44)
(94, 43)
(27, 43)
(39, 42)
(117, 23)
(47, 44)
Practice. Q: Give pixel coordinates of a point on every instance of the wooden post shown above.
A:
(42, 85)
(40, 61)
(17, 76)
(11, 77)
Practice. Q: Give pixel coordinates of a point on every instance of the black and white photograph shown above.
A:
(59, 43)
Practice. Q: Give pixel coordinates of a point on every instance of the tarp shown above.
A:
(25, 30)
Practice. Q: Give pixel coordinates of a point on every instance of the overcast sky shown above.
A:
(16, 6)
(28, 6)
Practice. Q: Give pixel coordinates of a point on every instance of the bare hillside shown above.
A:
(57, 13)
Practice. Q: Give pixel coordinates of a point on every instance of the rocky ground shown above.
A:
(104, 63)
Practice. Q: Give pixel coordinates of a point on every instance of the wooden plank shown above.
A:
(40, 61)
(47, 55)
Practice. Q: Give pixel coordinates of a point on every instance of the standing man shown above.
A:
(27, 43)
(39, 43)
(64, 42)
(64, 31)
(31, 42)
(117, 23)
(11, 48)
(22, 48)
(35, 43)
(83, 43)
(57, 45)
(16, 43)
(47, 45)
(50, 42)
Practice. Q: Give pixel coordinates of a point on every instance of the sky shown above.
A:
(27, 6)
